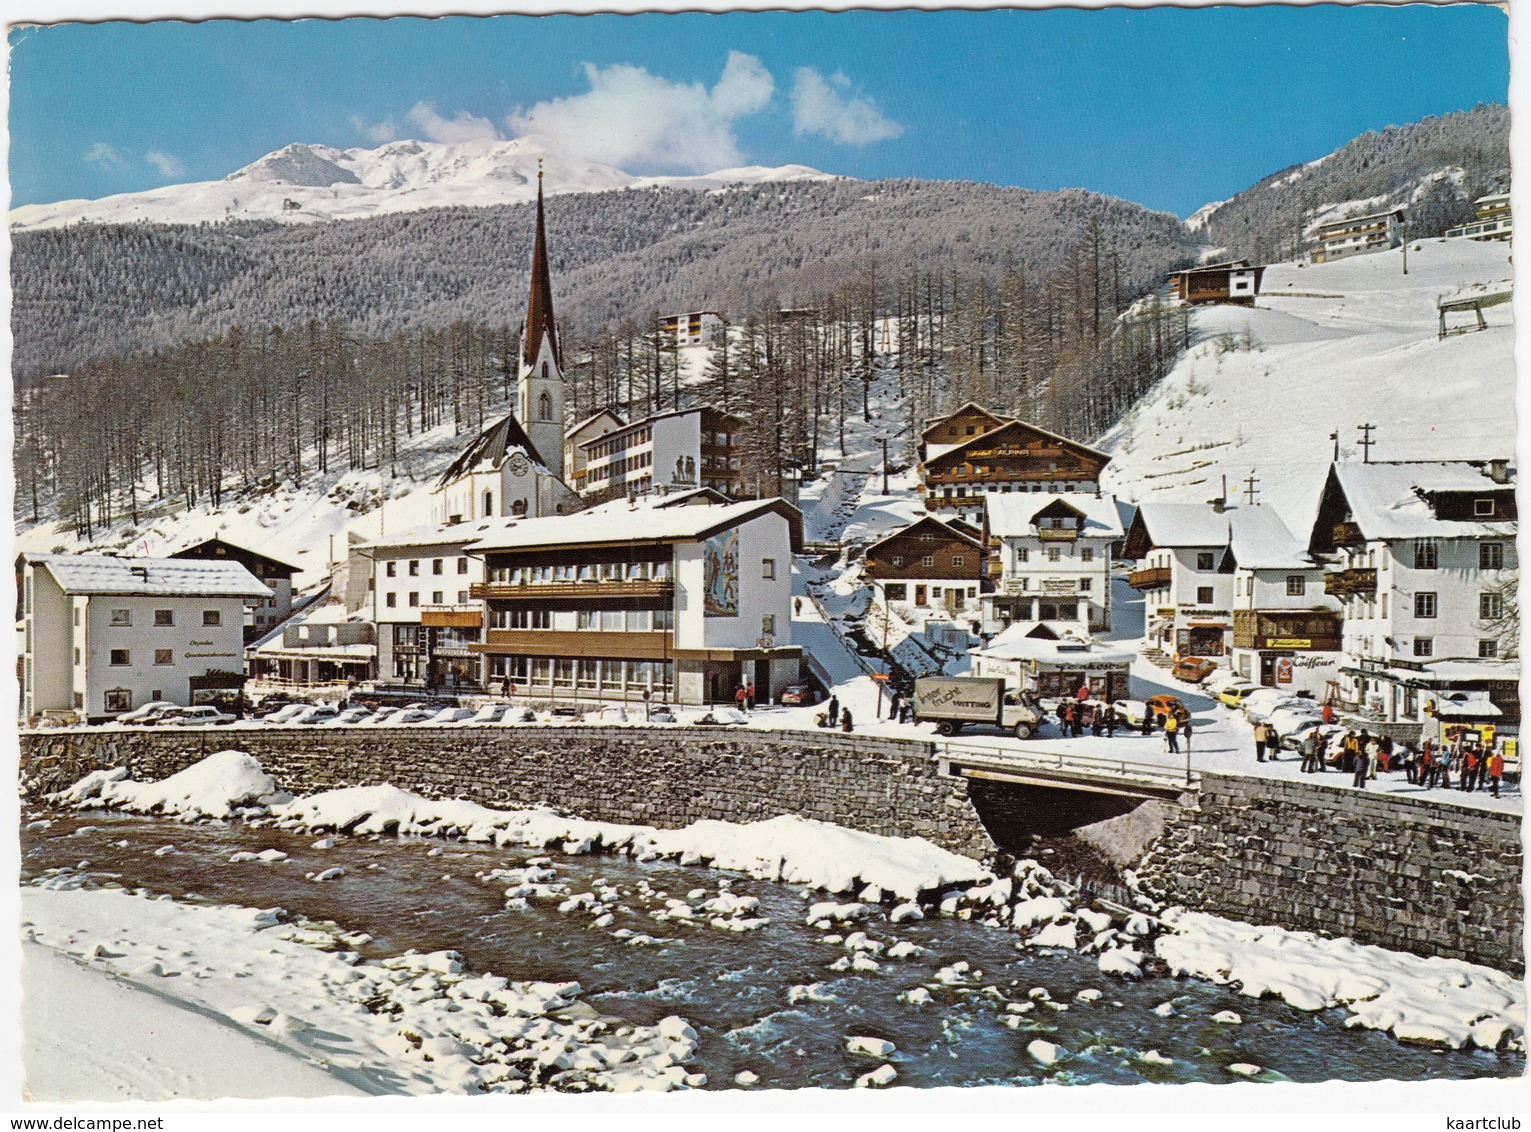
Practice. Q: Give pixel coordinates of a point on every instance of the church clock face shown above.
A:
(519, 464)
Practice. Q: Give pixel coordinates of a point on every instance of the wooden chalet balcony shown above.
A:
(1348, 583)
(578, 590)
(1346, 534)
(1297, 630)
(1153, 578)
(995, 568)
(1057, 534)
(612, 645)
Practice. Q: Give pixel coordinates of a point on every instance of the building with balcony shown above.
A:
(1286, 628)
(694, 329)
(593, 427)
(674, 451)
(973, 452)
(1359, 235)
(1050, 561)
(1421, 559)
(423, 609)
(1492, 222)
(1187, 593)
(104, 635)
(1235, 282)
(263, 613)
(928, 570)
(680, 598)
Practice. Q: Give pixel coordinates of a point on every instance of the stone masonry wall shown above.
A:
(1404, 873)
(1429, 877)
(652, 776)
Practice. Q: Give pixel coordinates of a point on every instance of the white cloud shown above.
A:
(168, 164)
(465, 127)
(818, 107)
(105, 155)
(381, 132)
(632, 118)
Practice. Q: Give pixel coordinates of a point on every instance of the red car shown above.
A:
(1193, 669)
(798, 694)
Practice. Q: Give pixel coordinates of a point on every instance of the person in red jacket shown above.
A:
(1495, 772)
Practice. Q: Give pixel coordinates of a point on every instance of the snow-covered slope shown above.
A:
(307, 183)
(1329, 347)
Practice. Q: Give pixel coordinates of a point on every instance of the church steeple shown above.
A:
(540, 386)
(540, 324)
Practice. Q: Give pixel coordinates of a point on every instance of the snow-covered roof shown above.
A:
(928, 521)
(1015, 644)
(1349, 220)
(157, 577)
(1004, 425)
(275, 650)
(1391, 501)
(648, 520)
(490, 448)
(574, 430)
(1261, 541)
(1012, 515)
(440, 534)
(616, 433)
(221, 547)
(1184, 524)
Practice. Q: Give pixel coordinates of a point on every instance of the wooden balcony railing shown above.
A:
(1057, 534)
(1347, 534)
(1348, 583)
(1153, 578)
(578, 590)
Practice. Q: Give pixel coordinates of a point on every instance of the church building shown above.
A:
(515, 467)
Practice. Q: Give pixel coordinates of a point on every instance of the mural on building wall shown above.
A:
(721, 565)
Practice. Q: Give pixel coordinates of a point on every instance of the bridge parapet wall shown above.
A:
(1425, 876)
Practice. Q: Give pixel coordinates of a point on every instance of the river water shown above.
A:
(737, 988)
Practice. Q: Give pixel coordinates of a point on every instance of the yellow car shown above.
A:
(1235, 694)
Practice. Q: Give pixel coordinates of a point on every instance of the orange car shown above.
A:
(1162, 706)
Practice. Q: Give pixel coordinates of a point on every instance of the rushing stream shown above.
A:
(745, 991)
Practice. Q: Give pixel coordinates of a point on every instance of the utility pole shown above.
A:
(884, 442)
(1250, 491)
(1335, 436)
(1366, 441)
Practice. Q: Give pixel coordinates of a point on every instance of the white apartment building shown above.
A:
(1422, 559)
(1050, 558)
(674, 451)
(103, 635)
(1359, 235)
(1286, 629)
(422, 605)
(694, 329)
(680, 598)
(1187, 598)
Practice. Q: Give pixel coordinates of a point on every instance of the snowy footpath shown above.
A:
(258, 1003)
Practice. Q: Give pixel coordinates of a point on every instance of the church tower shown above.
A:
(540, 384)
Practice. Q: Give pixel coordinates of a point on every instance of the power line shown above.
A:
(1250, 491)
(1366, 441)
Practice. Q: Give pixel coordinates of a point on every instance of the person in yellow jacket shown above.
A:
(1172, 733)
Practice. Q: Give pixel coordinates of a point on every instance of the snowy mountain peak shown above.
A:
(314, 166)
(304, 183)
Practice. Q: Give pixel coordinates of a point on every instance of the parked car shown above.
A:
(1221, 679)
(1193, 669)
(288, 713)
(797, 695)
(350, 717)
(1234, 695)
(148, 713)
(199, 717)
(1164, 705)
(490, 713)
(1285, 713)
(277, 701)
(1293, 738)
(451, 715)
(411, 715)
(385, 715)
(1259, 704)
(322, 713)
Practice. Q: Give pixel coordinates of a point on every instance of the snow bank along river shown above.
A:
(414, 946)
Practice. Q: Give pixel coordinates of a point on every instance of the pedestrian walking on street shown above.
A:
(749, 697)
(1260, 742)
(1083, 693)
(739, 695)
(1272, 743)
(1148, 720)
(1097, 721)
(1306, 748)
(1372, 751)
(1068, 718)
(1320, 752)
(833, 711)
(905, 710)
(1495, 772)
(1363, 766)
(1472, 759)
(1447, 760)
(893, 707)
(1110, 720)
(1172, 734)
(1424, 774)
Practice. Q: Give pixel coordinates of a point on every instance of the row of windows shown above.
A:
(1427, 551)
(123, 658)
(584, 672)
(1052, 486)
(1296, 585)
(1085, 584)
(438, 597)
(585, 572)
(603, 448)
(1427, 605)
(163, 618)
(438, 566)
(1055, 553)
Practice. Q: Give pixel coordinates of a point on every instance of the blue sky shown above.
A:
(1168, 107)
